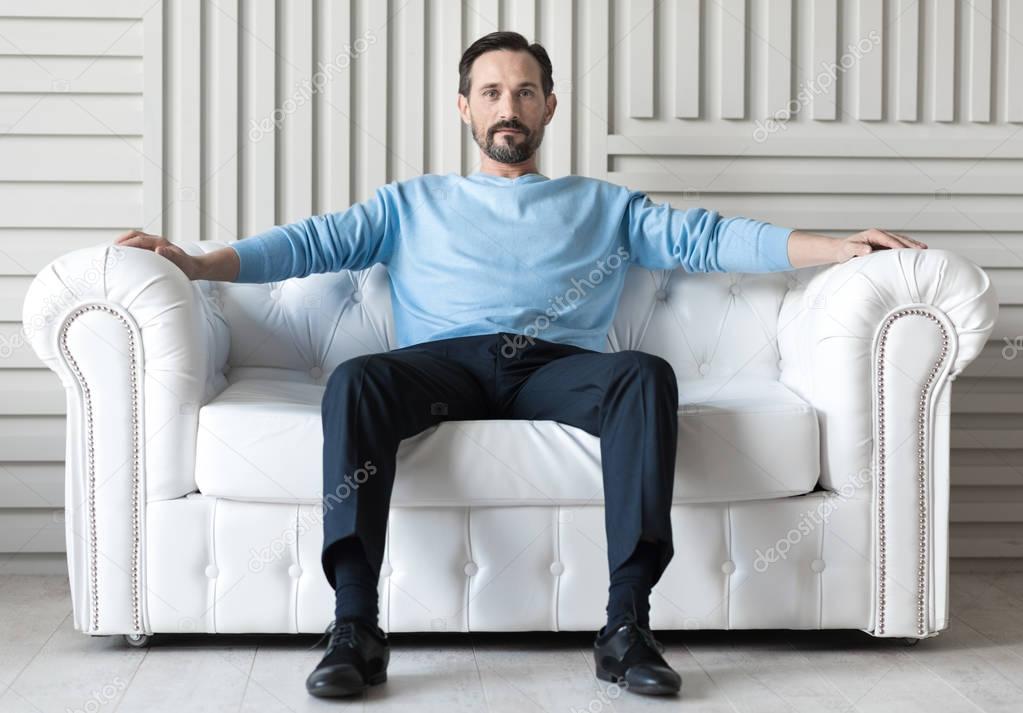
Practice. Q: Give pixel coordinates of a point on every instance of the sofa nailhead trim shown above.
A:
(921, 599)
(91, 468)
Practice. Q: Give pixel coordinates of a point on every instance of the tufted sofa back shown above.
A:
(707, 325)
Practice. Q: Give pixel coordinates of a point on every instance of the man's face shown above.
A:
(506, 107)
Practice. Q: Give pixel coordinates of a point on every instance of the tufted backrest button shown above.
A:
(316, 372)
(704, 369)
(294, 571)
(357, 296)
(728, 567)
(661, 295)
(817, 565)
(212, 571)
(471, 568)
(735, 289)
(386, 570)
(557, 569)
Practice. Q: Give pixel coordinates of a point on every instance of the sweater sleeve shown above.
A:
(352, 239)
(659, 236)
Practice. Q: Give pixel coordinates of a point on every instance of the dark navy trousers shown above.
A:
(628, 398)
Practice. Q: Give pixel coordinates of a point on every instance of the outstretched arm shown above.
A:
(660, 236)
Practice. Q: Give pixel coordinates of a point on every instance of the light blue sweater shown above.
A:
(482, 254)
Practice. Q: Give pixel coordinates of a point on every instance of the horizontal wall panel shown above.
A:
(84, 114)
(997, 143)
(30, 391)
(32, 485)
(32, 438)
(73, 8)
(26, 251)
(74, 205)
(47, 36)
(782, 175)
(71, 74)
(32, 530)
(15, 350)
(70, 158)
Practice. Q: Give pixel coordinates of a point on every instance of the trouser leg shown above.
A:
(630, 400)
(370, 404)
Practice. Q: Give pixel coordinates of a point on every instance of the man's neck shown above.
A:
(507, 170)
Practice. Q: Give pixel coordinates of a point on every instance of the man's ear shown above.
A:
(463, 109)
(551, 105)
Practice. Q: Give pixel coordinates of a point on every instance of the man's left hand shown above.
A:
(868, 241)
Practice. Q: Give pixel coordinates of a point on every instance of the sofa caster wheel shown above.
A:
(910, 641)
(137, 641)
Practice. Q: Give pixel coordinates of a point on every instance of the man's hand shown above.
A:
(191, 266)
(868, 241)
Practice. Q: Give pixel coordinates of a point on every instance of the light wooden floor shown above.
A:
(976, 665)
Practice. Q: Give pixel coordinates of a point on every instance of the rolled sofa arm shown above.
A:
(873, 345)
(138, 348)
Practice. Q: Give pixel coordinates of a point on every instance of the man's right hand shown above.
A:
(191, 266)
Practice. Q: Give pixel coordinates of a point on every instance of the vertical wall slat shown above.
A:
(559, 44)
(1013, 60)
(688, 67)
(943, 57)
(641, 47)
(521, 17)
(869, 65)
(187, 109)
(409, 115)
(732, 52)
(447, 146)
(979, 74)
(334, 106)
(294, 101)
(371, 100)
(258, 160)
(153, 194)
(824, 30)
(594, 86)
(779, 57)
(220, 96)
(907, 72)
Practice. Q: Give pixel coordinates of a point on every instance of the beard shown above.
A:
(506, 149)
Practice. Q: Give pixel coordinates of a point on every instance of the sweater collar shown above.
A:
(490, 178)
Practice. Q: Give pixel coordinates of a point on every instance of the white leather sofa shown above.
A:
(812, 486)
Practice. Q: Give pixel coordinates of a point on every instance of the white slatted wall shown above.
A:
(147, 114)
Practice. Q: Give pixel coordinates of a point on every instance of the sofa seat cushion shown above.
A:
(262, 440)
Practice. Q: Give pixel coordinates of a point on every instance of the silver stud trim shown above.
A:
(136, 494)
(925, 394)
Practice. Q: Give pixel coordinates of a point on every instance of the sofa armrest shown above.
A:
(873, 345)
(138, 348)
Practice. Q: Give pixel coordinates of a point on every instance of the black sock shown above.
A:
(355, 589)
(629, 591)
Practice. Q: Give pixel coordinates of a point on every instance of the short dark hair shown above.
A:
(504, 41)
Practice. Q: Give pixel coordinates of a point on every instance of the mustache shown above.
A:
(508, 125)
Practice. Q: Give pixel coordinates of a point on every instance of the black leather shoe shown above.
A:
(356, 658)
(630, 656)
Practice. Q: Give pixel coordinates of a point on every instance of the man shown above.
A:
(481, 269)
